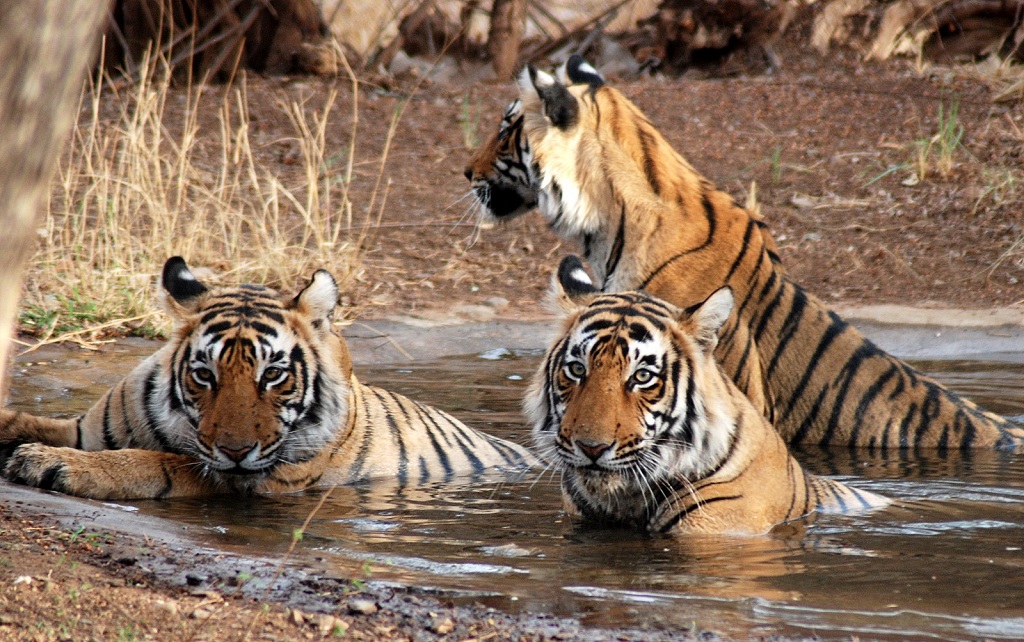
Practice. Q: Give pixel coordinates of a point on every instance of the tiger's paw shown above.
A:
(43, 467)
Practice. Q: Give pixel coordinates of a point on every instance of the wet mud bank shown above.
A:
(161, 555)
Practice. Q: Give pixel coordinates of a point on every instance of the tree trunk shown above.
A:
(508, 19)
(46, 46)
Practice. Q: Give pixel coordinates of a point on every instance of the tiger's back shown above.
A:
(647, 220)
(255, 393)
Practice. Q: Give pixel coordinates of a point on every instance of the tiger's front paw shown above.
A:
(43, 466)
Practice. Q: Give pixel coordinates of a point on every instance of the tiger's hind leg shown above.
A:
(109, 474)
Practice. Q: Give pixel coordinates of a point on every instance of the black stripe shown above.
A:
(789, 328)
(768, 311)
(616, 252)
(364, 447)
(647, 142)
(217, 328)
(108, 434)
(465, 443)
(756, 299)
(168, 482)
(865, 403)
(831, 333)
(743, 252)
(505, 449)
(930, 409)
(424, 471)
(905, 426)
(129, 431)
(681, 515)
(836, 490)
(403, 455)
(432, 430)
(264, 329)
(790, 467)
(710, 215)
(809, 420)
(848, 376)
(149, 398)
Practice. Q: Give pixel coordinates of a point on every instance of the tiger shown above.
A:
(601, 174)
(254, 394)
(650, 433)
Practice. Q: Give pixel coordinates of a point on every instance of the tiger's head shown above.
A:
(504, 176)
(499, 171)
(260, 378)
(628, 399)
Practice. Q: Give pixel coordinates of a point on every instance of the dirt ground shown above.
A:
(833, 148)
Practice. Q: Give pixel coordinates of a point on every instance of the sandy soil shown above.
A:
(832, 148)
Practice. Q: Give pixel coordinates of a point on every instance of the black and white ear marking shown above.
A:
(560, 106)
(573, 277)
(571, 287)
(580, 72)
(179, 282)
(319, 298)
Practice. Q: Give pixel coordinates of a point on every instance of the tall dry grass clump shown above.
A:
(129, 193)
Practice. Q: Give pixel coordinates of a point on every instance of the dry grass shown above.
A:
(129, 193)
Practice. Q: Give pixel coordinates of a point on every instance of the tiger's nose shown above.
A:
(593, 450)
(236, 454)
(468, 173)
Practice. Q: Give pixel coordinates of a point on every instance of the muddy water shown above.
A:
(946, 561)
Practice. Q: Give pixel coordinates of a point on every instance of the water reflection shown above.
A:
(944, 561)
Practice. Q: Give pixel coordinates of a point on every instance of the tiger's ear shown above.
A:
(182, 291)
(318, 299)
(707, 318)
(577, 71)
(571, 287)
(560, 107)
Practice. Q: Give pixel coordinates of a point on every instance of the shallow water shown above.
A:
(946, 561)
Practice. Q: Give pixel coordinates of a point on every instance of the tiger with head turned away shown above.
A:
(601, 174)
(649, 432)
(253, 394)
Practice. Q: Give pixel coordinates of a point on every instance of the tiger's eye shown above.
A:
(203, 375)
(273, 374)
(576, 369)
(642, 377)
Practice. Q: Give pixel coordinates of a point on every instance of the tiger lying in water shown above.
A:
(601, 174)
(255, 393)
(649, 432)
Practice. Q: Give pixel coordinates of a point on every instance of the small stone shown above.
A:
(329, 624)
(201, 614)
(298, 617)
(443, 627)
(168, 607)
(362, 607)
